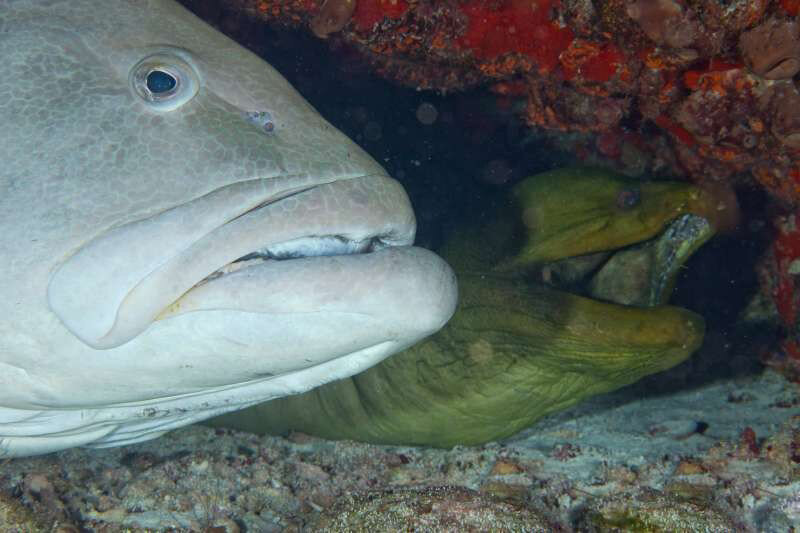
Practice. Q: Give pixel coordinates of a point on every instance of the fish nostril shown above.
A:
(261, 119)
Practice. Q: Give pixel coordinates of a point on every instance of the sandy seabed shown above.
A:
(724, 456)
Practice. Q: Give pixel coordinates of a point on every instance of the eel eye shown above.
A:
(629, 198)
(164, 81)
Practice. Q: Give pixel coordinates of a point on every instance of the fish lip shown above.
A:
(292, 251)
(116, 285)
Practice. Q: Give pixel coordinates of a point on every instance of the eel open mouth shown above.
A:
(117, 284)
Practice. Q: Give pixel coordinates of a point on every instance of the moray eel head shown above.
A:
(575, 211)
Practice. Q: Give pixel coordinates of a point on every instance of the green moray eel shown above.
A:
(515, 350)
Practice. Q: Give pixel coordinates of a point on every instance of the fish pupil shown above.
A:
(159, 82)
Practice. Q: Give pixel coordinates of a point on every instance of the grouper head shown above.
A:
(182, 234)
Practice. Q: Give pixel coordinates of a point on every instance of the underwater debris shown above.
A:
(772, 49)
(428, 509)
(665, 22)
(332, 17)
(14, 516)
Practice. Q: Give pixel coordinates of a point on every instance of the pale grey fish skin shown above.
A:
(112, 210)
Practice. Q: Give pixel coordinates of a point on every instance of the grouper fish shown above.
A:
(182, 234)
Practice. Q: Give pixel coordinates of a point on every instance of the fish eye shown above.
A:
(629, 198)
(164, 82)
(159, 81)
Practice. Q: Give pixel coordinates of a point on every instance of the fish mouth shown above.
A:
(311, 246)
(112, 288)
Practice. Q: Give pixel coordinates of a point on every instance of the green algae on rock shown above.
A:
(654, 512)
(514, 351)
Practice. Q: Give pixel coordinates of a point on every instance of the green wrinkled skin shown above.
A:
(514, 351)
(569, 212)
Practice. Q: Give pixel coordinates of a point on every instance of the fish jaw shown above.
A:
(116, 285)
(201, 304)
(259, 333)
